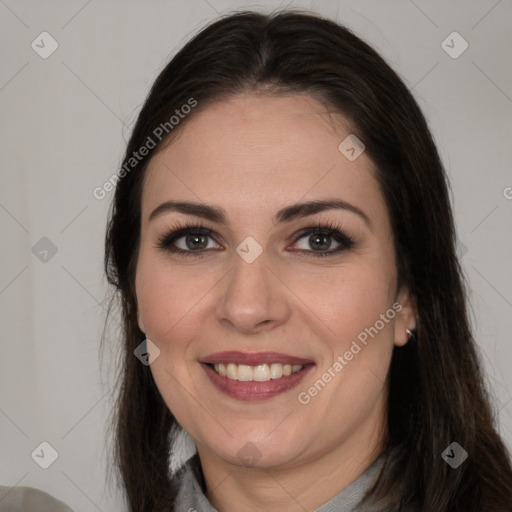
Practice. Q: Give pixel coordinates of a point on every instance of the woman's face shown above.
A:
(264, 285)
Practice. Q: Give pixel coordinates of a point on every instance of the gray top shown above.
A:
(29, 499)
(191, 497)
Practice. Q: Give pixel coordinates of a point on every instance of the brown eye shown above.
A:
(188, 241)
(195, 241)
(319, 241)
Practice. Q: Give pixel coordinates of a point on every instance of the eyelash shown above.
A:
(179, 230)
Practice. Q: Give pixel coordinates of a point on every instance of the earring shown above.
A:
(409, 332)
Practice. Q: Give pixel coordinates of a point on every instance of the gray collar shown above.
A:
(190, 495)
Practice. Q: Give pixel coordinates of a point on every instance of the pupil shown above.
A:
(314, 240)
(193, 239)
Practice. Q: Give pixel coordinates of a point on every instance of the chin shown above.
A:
(257, 452)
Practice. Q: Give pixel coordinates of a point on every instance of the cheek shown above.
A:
(352, 315)
(167, 296)
(346, 301)
(169, 300)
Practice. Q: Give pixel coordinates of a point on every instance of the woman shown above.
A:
(282, 244)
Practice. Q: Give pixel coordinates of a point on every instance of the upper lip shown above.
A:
(253, 359)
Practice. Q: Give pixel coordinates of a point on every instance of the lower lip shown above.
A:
(254, 390)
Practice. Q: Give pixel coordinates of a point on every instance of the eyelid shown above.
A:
(180, 230)
(332, 229)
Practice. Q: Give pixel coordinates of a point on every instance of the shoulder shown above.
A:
(188, 484)
(29, 499)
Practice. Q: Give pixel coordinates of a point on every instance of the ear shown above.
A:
(405, 317)
(141, 323)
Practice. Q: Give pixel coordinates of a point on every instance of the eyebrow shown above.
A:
(287, 214)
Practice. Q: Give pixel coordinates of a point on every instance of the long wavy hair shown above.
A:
(437, 392)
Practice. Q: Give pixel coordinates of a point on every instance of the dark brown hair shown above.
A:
(437, 393)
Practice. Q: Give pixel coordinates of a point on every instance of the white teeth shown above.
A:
(232, 371)
(259, 373)
(244, 372)
(276, 371)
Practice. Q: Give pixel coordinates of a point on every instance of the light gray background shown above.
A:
(64, 123)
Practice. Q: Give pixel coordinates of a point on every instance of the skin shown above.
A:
(252, 155)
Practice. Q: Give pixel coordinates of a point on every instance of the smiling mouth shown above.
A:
(255, 376)
(259, 373)
(256, 390)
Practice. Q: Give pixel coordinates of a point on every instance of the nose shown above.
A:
(253, 297)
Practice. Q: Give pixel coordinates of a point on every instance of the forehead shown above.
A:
(252, 154)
